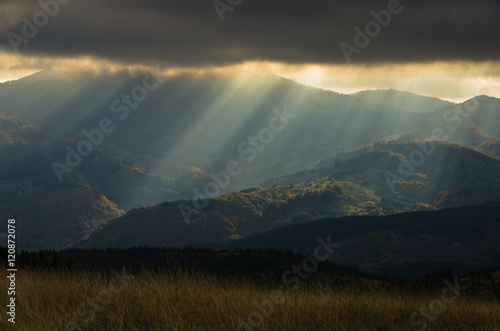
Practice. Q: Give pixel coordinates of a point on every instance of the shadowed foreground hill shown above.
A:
(408, 244)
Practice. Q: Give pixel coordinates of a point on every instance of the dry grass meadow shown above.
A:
(63, 300)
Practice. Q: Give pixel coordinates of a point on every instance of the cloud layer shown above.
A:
(190, 33)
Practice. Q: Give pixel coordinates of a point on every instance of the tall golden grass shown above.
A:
(49, 300)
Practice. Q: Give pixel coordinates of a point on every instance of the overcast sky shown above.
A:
(300, 38)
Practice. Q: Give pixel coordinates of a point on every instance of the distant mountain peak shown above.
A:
(407, 101)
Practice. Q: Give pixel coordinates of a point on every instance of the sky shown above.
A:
(443, 48)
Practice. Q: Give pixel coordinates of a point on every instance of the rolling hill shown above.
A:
(350, 183)
(406, 101)
(52, 214)
(474, 124)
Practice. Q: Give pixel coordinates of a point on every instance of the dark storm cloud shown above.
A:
(190, 33)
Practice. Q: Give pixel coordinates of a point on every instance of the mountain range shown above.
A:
(90, 160)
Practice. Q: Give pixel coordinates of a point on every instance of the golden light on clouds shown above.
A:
(455, 81)
(451, 81)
